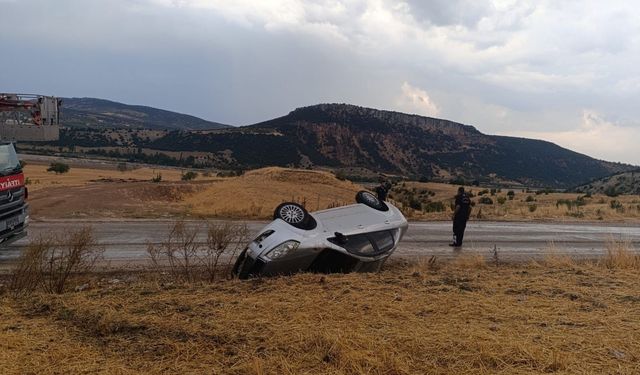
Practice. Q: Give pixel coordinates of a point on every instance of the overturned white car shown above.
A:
(359, 237)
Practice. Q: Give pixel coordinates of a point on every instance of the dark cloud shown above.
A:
(499, 67)
(450, 12)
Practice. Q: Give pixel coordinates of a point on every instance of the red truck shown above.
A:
(14, 215)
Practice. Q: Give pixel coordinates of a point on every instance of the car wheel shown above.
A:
(295, 215)
(368, 199)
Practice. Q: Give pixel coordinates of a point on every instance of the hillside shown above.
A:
(627, 183)
(100, 114)
(340, 135)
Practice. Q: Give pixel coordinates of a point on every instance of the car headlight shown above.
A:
(282, 249)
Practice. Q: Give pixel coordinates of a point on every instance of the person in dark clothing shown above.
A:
(382, 190)
(461, 215)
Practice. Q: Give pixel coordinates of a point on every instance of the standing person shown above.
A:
(461, 214)
(383, 189)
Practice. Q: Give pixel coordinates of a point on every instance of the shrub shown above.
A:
(533, 208)
(122, 167)
(222, 238)
(493, 192)
(511, 194)
(157, 178)
(434, 207)
(616, 205)
(415, 203)
(611, 192)
(188, 176)
(58, 167)
(458, 180)
(188, 260)
(485, 200)
(502, 200)
(483, 192)
(49, 261)
(178, 251)
(340, 175)
(530, 199)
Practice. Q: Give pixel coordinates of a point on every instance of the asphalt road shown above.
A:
(126, 240)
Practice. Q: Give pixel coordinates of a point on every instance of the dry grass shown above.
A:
(620, 255)
(596, 208)
(255, 194)
(41, 179)
(429, 317)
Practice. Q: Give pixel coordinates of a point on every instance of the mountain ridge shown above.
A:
(102, 113)
(345, 136)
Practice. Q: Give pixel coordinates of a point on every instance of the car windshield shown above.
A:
(9, 162)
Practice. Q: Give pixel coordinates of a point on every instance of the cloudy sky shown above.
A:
(564, 71)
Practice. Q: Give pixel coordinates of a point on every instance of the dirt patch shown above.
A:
(111, 200)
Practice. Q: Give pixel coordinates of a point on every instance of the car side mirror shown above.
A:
(341, 238)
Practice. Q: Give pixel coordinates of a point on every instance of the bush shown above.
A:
(340, 175)
(49, 261)
(157, 178)
(485, 200)
(483, 192)
(533, 208)
(415, 203)
(501, 200)
(234, 173)
(188, 176)
(616, 205)
(188, 260)
(122, 167)
(458, 180)
(434, 207)
(511, 194)
(58, 168)
(611, 192)
(530, 199)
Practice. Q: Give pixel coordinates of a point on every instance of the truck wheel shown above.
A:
(295, 215)
(371, 200)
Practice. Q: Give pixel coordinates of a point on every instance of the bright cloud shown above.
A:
(596, 137)
(416, 100)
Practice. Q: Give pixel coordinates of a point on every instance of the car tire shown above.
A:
(368, 199)
(294, 215)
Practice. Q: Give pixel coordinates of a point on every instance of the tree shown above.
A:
(58, 168)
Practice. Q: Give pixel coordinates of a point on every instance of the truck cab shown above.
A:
(14, 216)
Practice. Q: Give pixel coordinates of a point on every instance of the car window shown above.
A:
(367, 243)
(359, 244)
(382, 240)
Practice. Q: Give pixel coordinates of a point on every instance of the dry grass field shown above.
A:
(525, 206)
(255, 194)
(107, 192)
(41, 179)
(461, 317)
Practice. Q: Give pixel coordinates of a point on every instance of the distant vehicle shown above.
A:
(359, 237)
(14, 216)
(29, 117)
